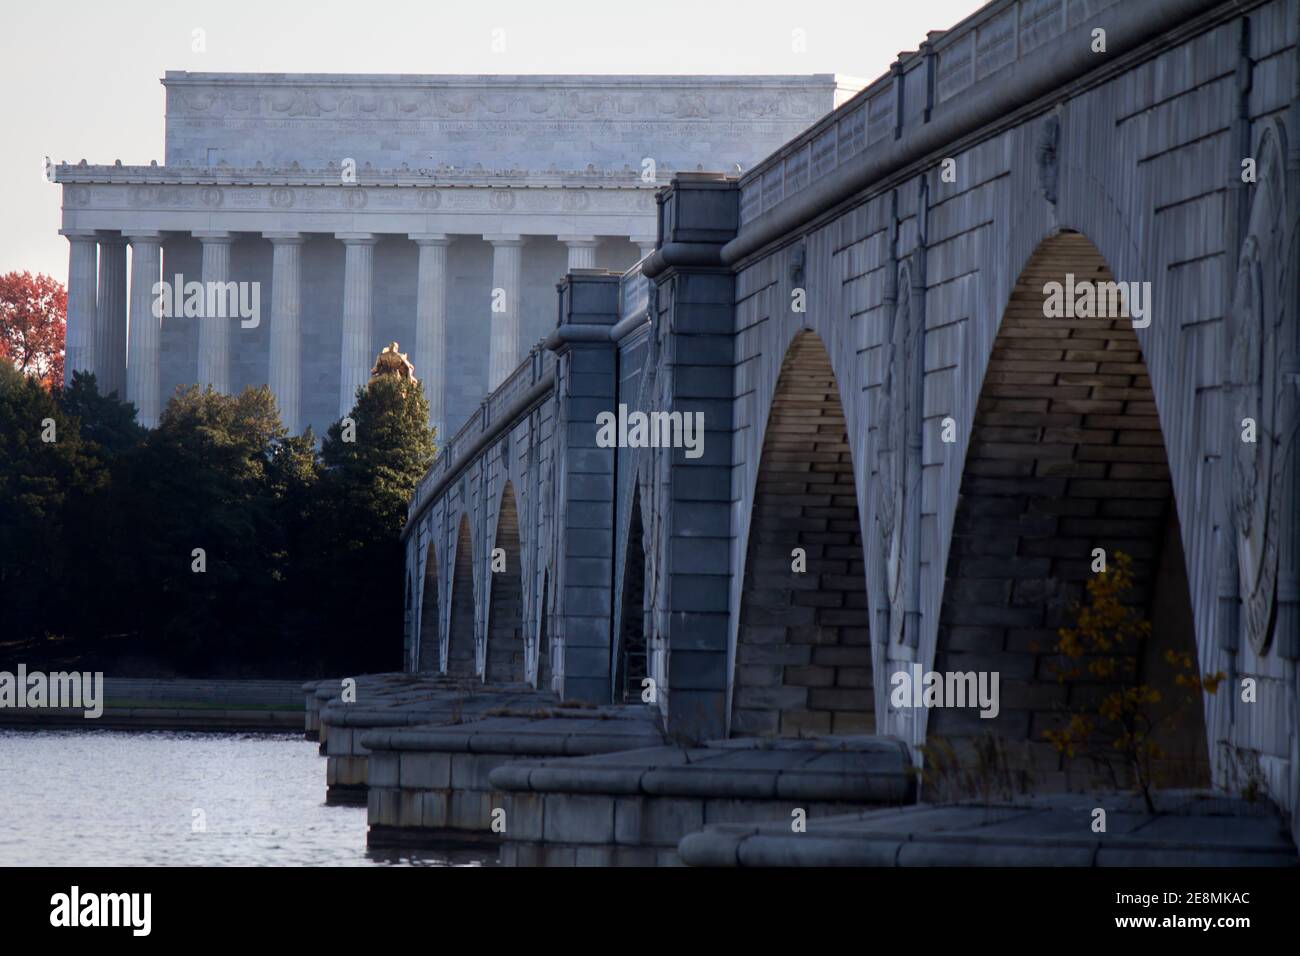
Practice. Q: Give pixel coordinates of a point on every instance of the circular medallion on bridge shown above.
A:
(429, 198)
(502, 199)
(354, 198)
(210, 196)
(281, 198)
(77, 195)
(1258, 308)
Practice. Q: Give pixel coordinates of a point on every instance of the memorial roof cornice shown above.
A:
(440, 177)
(507, 80)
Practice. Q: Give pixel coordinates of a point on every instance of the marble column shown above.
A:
(214, 330)
(507, 262)
(144, 331)
(110, 317)
(431, 323)
(285, 378)
(645, 243)
(358, 316)
(582, 251)
(83, 264)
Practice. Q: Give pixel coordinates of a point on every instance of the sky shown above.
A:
(80, 79)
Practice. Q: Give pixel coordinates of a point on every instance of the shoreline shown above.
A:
(216, 720)
(217, 706)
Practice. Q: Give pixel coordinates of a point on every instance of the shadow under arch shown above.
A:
(460, 632)
(430, 644)
(803, 647)
(630, 648)
(505, 625)
(409, 636)
(1066, 455)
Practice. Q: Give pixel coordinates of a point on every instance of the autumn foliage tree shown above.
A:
(1104, 643)
(33, 324)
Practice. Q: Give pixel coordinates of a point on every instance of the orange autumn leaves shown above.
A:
(1105, 644)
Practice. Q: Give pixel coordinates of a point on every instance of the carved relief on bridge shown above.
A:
(1259, 347)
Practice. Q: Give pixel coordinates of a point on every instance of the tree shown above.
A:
(213, 544)
(105, 422)
(293, 484)
(1121, 735)
(33, 325)
(393, 447)
(98, 537)
(371, 467)
(200, 570)
(43, 467)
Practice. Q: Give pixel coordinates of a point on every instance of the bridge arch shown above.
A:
(803, 649)
(505, 625)
(1066, 455)
(429, 646)
(460, 630)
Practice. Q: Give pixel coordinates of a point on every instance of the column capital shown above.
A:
(429, 238)
(79, 234)
(212, 235)
(643, 241)
(357, 238)
(111, 238)
(507, 240)
(284, 238)
(591, 241)
(142, 235)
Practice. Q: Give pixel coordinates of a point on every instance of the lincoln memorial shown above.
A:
(435, 211)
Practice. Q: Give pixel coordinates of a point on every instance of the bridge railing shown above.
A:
(502, 401)
(532, 370)
(947, 63)
(633, 292)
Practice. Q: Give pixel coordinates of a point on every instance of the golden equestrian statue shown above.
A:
(392, 362)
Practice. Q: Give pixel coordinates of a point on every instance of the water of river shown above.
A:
(110, 798)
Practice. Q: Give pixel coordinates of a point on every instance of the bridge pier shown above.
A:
(698, 214)
(587, 385)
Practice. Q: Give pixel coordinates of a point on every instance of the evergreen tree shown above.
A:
(97, 537)
(373, 459)
(199, 482)
(105, 421)
(43, 464)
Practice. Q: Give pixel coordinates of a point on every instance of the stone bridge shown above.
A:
(917, 446)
